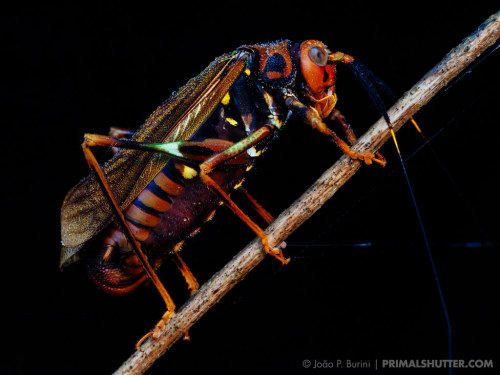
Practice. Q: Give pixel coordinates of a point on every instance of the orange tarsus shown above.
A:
(367, 157)
(346, 127)
(142, 339)
(157, 330)
(191, 281)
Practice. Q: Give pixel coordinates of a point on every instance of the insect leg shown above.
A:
(340, 119)
(257, 206)
(261, 211)
(231, 152)
(192, 151)
(101, 178)
(193, 286)
(191, 281)
(311, 116)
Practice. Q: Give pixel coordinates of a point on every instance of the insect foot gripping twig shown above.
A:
(213, 290)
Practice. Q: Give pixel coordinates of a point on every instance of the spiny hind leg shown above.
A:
(136, 245)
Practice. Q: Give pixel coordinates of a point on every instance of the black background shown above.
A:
(83, 68)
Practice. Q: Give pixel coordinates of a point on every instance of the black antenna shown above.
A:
(371, 82)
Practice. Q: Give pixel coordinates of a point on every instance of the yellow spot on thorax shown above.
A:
(226, 99)
(210, 216)
(253, 152)
(247, 71)
(194, 232)
(187, 172)
(232, 121)
(178, 246)
(237, 186)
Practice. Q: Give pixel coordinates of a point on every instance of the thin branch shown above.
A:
(322, 190)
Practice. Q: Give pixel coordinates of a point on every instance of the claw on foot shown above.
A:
(275, 252)
(369, 158)
(193, 288)
(156, 331)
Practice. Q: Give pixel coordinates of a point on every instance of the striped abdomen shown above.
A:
(145, 211)
(117, 270)
(171, 208)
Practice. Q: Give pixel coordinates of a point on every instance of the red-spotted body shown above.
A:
(203, 139)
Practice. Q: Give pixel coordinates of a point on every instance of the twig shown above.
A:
(322, 190)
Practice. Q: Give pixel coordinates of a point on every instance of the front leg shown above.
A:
(340, 119)
(311, 116)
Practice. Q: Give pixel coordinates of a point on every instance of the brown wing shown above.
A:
(85, 210)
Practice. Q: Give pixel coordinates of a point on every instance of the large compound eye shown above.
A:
(318, 55)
